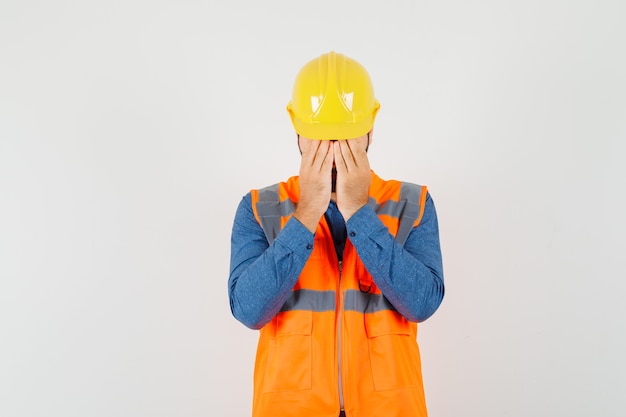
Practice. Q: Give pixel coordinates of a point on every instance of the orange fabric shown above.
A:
(301, 354)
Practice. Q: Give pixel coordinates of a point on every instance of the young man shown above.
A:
(336, 266)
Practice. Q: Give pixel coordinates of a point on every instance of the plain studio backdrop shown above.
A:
(130, 130)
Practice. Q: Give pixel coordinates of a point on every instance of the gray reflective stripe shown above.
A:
(269, 193)
(407, 210)
(362, 302)
(310, 300)
(270, 211)
(320, 301)
(410, 193)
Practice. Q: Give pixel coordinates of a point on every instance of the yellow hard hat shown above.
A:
(333, 98)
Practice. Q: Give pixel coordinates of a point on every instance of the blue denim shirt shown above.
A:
(262, 275)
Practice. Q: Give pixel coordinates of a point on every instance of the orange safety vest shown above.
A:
(337, 338)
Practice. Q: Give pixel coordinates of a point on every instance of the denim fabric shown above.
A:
(262, 275)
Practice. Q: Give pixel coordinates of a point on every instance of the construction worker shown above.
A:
(336, 266)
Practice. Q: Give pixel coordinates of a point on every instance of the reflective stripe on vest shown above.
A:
(310, 300)
(320, 301)
(408, 210)
(270, 210)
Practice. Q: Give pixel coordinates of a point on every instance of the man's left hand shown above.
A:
(353, 175)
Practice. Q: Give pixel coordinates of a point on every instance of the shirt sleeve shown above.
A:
(409, 276)
(263, 275)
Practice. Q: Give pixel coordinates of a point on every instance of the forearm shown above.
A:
(409, 276)
(261, 275)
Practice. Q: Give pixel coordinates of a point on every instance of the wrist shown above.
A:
(309, 218)
(347, 213)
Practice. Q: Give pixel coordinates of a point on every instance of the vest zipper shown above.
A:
(340, 304)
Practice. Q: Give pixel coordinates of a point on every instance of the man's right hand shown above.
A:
(315, 181)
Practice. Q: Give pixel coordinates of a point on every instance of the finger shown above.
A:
(347, 155)
(308, 149)
(327, 165)
(309, 160)
(314, 150)
(307, 156)
(357, 151)
(340, 162)
(323, 149)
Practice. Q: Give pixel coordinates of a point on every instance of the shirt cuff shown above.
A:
(297, 238)
(362, 224)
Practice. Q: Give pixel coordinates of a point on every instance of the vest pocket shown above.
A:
(289, 357)
(393, 351)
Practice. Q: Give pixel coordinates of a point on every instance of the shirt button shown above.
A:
(309, 246)
(352, 234)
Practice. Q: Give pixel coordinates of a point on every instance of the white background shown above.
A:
(130, 130)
